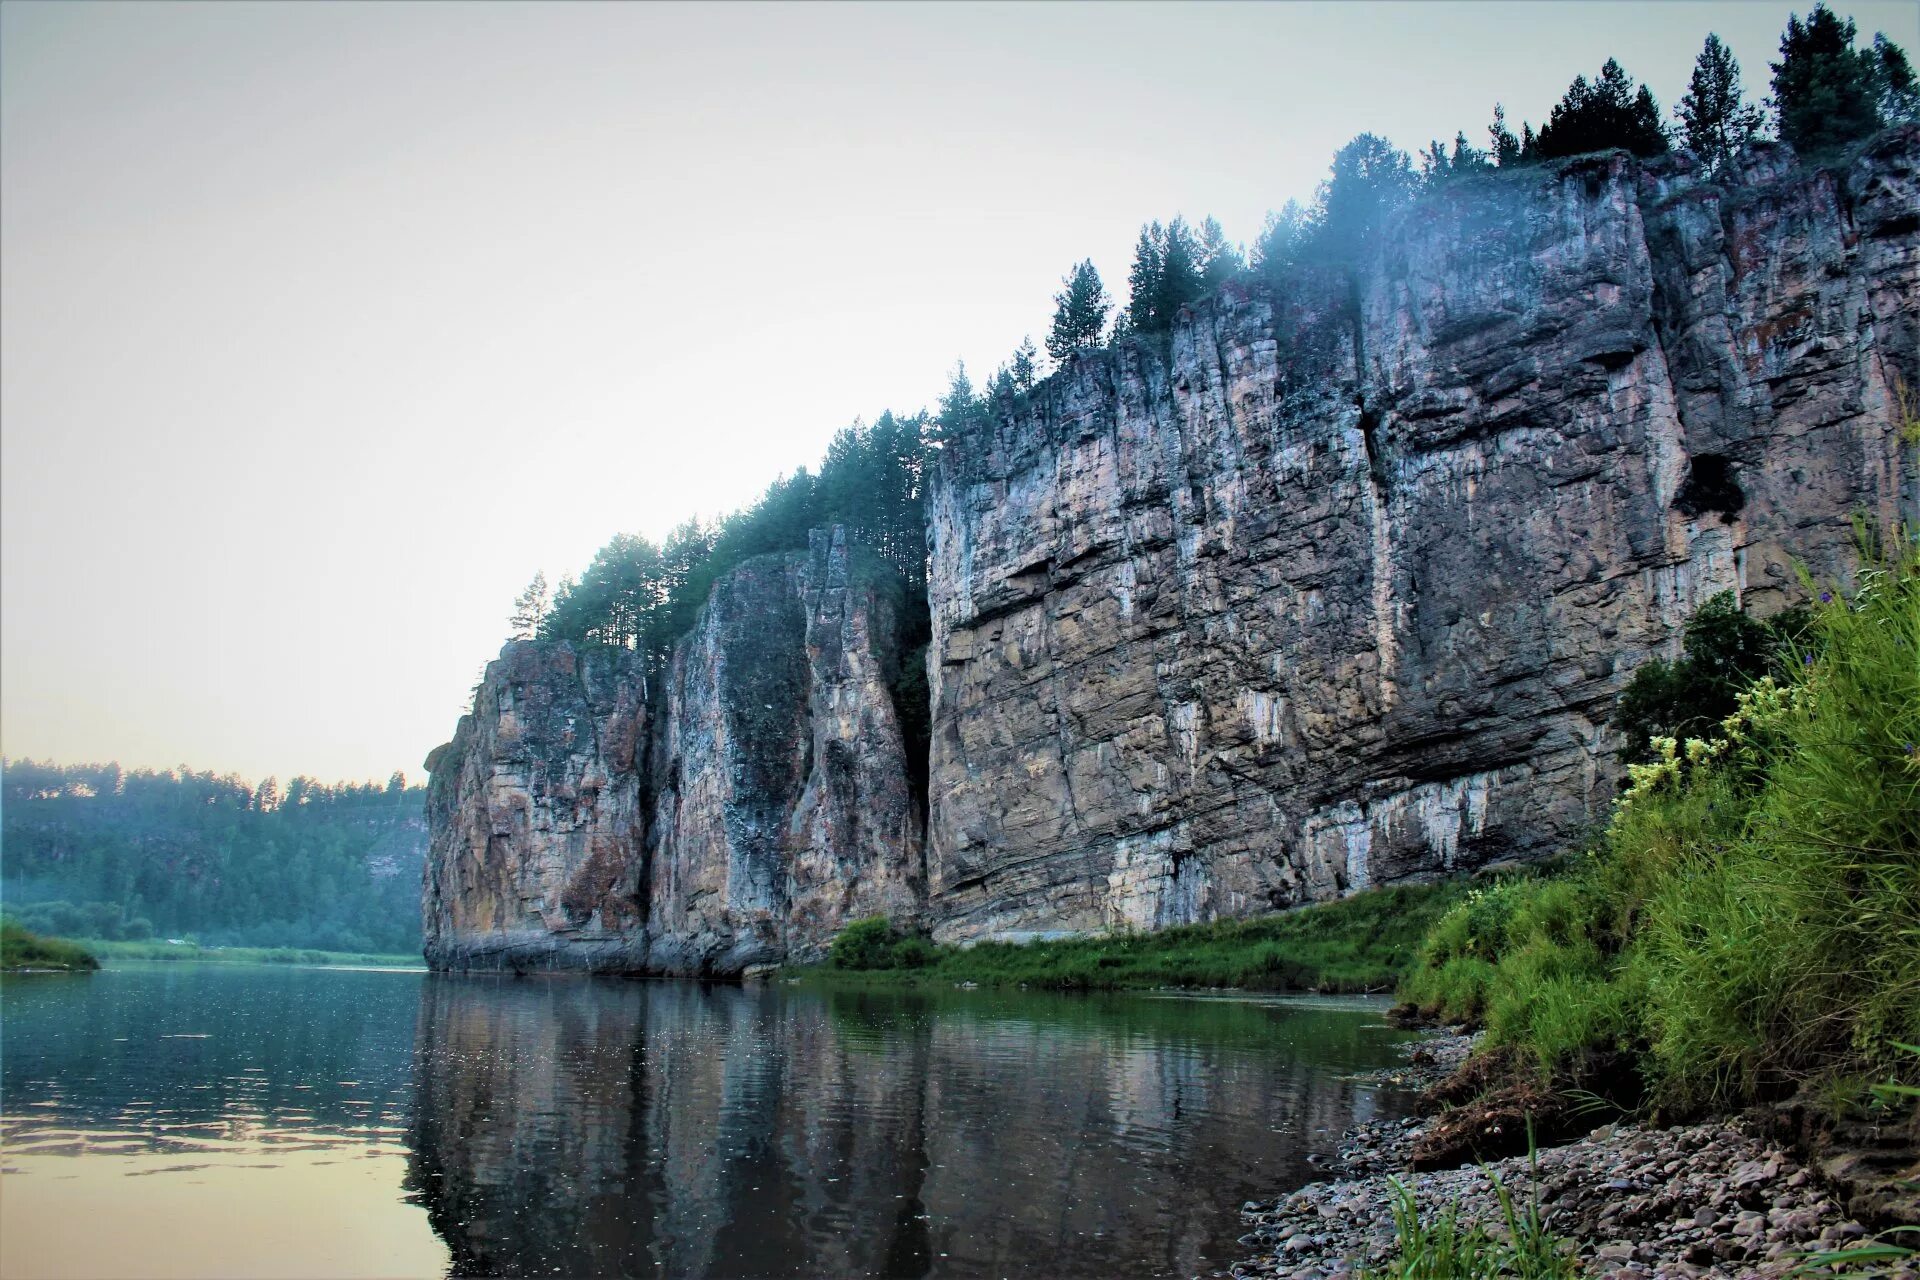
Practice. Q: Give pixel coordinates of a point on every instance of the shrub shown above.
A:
(1723, 651)
(1750, 922)
(21, 948)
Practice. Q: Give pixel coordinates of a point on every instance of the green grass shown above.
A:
(20, 948)
(1364, 943)
(1446, 1247)
(165, 951)
(1750, 923)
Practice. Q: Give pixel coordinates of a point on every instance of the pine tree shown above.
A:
(1080, 312)
(529, 607)
(1897, 94)
(1370, 178)
(1505, 148)
(1716, 121)
(1282, 241)
(1025, 364)
(1181, 282)
(1600, 116)
(962, 407)
(1219, 260)
(1143, 279)
(1823, 90)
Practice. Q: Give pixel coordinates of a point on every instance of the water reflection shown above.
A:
(605, 1128)
(224, 1120)
(188, 1120)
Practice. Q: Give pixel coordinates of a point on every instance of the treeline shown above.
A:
(636, 595)
(96, 851)
(1826, 94)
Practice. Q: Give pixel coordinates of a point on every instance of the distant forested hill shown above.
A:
(95, 851)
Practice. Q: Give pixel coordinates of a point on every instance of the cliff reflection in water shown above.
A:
(603, 1128)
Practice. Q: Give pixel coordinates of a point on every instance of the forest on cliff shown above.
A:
(1829, 92)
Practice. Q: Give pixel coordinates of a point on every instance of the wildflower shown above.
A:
(1826, 597)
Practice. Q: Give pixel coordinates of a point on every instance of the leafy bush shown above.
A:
(1751, 920)
(873, 943)
(21, 948)
(1723, 652)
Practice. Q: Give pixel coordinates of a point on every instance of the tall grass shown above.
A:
(21, 948)
(1751, 919)
(1447, 1247)
(1366, 942)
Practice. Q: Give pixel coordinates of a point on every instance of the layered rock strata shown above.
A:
(763, 802)
(1332, 586)
(536, 819)
(1339, 587)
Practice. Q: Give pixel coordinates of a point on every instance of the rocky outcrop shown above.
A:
(1339, 587)
(1326, 588)
(536, 816)
(763, 802)
(781, 802)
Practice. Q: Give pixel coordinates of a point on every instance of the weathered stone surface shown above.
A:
(763, 803)
(782, 802)
(536, 818)
(1316, 596)
(1320, 591)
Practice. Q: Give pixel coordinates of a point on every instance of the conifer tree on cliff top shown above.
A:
(1168, 273)
(1602, 115)
(1716, 121)
(1080, 312)
(1826, 93)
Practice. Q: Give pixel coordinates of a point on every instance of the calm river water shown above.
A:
(187, 1120)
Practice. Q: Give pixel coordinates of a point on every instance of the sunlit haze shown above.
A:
(326, 326)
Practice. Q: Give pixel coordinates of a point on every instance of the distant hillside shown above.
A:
(95, 851)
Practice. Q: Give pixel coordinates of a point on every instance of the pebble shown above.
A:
(1683, 1203)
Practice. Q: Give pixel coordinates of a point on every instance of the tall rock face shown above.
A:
(782, 807)
(536, 817)
(741, 814)
(1339, 588)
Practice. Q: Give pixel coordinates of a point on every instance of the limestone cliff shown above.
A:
(1339, 587)
(535, 816)
(1328, 587)
(782, 807)
(763, 803)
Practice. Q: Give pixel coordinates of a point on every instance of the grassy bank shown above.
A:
(1363, 943)
(21, 948)
(167, 951)
(1749, 927)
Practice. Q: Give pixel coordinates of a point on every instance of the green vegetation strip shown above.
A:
(21, 948)
(166, 951)
(1364, 943)
(1749, 924)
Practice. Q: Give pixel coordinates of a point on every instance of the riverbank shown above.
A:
(167, 952)
(24, 951)
(1363, 944)
(1717, 1199)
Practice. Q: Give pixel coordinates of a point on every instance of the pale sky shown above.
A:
(322, 328)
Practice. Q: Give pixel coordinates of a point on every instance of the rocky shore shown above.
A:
(1706, 1200)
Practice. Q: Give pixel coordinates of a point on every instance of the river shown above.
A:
(260, 1121)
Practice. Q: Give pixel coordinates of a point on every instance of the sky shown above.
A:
(323, 327)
